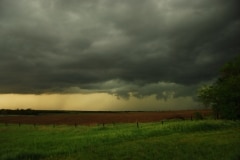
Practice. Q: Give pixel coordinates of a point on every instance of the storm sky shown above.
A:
(127, 49)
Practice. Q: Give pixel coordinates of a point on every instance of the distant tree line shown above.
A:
(30, 111)
(18, 112)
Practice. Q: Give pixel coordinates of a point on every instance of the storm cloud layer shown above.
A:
(123, 47)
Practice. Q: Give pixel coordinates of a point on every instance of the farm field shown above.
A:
(93, 118)
(173, 139)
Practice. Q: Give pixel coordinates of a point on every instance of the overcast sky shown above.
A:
(125, 48)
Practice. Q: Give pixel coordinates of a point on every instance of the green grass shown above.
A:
(207, 139)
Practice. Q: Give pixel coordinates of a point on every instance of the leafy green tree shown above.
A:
(223, 96)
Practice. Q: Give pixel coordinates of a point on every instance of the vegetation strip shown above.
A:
(203, 139)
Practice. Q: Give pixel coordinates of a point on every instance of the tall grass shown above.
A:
(207, 139)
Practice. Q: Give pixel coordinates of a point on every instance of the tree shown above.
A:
(223, 96)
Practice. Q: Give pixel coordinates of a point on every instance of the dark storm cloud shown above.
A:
(150, 47)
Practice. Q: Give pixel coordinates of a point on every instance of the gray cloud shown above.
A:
(166, 48)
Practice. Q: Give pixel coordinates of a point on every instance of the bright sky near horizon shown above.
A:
(95, 102)
(113, 55)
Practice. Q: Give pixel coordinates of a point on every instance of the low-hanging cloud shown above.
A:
(139, 48)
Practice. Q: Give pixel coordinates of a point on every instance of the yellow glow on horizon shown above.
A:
(95, 101)
(92, 102)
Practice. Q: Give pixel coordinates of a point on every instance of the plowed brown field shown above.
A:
(90, 118)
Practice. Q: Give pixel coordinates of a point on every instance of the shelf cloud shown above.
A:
(122, 47)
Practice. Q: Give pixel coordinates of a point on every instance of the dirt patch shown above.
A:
(89, 118)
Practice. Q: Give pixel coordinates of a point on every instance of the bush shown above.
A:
(198, 116)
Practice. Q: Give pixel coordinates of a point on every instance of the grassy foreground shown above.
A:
(207, 139)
